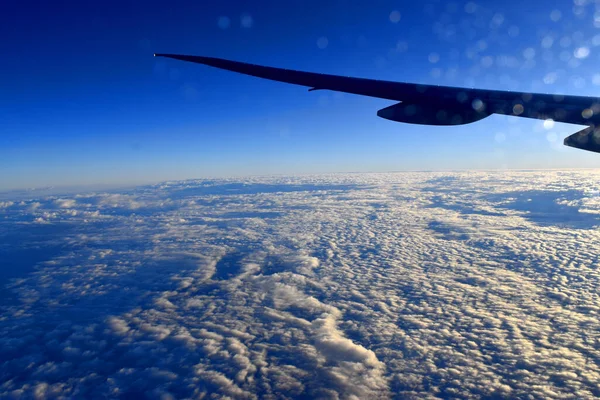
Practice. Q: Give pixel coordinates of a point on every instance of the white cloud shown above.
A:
(65, 203)
(119, 326)
(6, 204)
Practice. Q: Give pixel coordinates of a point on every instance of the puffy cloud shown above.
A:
(6, 204)
(64, 203)
(118, 326)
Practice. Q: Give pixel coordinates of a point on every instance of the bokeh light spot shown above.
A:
(224, 22)
(322, 42)
(513, 31)
(246, 21)
(487, 61)
(401, 46)
(518, 109)
(470, 7)
(547, 42)
(581, 52)
(478, 105)
(529, 53)
(550, 78)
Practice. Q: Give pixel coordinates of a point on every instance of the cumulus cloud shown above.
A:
(6, 204)
(408, 285)
(64, 203)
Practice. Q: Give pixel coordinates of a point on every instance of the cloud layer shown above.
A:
(407, 285)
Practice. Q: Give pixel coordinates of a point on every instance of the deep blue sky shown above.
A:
(83, 101)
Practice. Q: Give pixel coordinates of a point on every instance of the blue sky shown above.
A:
(84, 102)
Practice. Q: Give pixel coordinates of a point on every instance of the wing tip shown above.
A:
(167, 55)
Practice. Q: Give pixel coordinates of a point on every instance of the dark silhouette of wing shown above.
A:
(437, 105)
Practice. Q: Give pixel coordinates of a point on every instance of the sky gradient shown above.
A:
(84, 102)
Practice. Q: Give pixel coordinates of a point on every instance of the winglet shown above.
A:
(586, 139)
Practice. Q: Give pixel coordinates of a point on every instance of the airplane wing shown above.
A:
(437, 105)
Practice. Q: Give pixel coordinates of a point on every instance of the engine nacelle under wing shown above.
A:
(432, 115)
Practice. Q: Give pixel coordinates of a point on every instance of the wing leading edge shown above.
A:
(437, 105)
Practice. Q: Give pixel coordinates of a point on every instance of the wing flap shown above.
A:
(431, 114)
